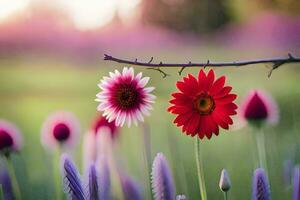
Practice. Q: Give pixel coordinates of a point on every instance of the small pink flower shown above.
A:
(124, 97)
(10, 138)
(60, 129)
(100, 122)
(259, 107)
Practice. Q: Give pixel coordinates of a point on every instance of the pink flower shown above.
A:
(60, 129)
(259, 107)
(10, 138)
(91, 139)
(124, 97)
(100, 122)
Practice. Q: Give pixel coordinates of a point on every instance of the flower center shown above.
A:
(126, 96)
(5, 140)
(61, 132)
(204, 104)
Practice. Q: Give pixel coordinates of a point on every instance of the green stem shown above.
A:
(1, 192)
(14, 181)
(261, 148)
(225, 195)
(147, 156)
(56, 174)
(200, 170)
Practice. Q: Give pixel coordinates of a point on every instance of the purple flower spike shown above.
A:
(162, 181)
(131, 189)
(104, 179)
(93, 191)
(260, 186)
(296, 184)
(5, 182)
(72, 182)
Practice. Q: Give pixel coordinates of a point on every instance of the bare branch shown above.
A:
(276, 62)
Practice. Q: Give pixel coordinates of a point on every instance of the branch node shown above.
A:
(107, 57)
(181, 70)
(206, 64)
(164, 74)
(290, 56)
(151, 59)
(275, 66)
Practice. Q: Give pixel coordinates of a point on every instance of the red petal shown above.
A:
(219, 121)
(210, 79)
(217, 86)
(229, 108)
(201, 80)
(224, 116)
(182, 119)
(187, 87)
(180, 109)
(223, 92)
(193, 124)
(225, 100)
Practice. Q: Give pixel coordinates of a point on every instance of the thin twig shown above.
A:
(276, 62)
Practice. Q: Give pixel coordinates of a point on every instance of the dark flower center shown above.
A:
(126, 96)
(61, 132)
(204, 104)
(6, 140)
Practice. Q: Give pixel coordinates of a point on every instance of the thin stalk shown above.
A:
(200, 171)
(14, 181)
(56, 175)
(225, 195)
(261, 148)
(1, 192)
(147, 155)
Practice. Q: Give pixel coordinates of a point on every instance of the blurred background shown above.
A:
(51, 58)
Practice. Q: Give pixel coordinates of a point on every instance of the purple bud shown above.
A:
(296, 184)
(162, 181)
(260, 186)
(5, 182)
(130, 188)
(225, 183)
(104, 179)
(72, 182)
(93, 189)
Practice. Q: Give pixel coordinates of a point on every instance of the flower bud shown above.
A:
(225, 183)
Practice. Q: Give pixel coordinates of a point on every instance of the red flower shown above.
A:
(203, 104)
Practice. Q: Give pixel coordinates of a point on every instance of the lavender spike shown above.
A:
(6, 184)
(296, 184)
(104, 179)
(93, 189)
(260, 186)
(162, 181)
(72, 182)
(131, 189)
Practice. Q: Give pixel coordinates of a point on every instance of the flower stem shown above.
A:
(261, 148)
(225, 195)
(12, 174)
(200, 170)
(56, 174)
(146, 147)
(1, 192)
